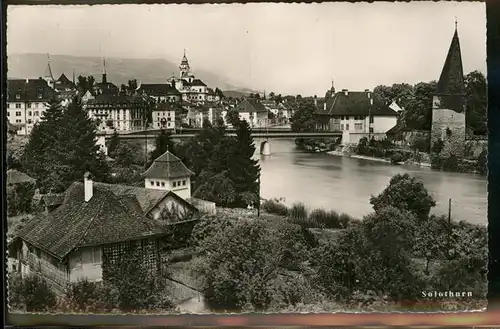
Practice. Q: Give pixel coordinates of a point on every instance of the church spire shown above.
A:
(451, 81)
(184, 67)
(49, 77)
(104, 73)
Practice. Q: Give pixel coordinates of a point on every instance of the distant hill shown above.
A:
(119, 70)
(236, 93)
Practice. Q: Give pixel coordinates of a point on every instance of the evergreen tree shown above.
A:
(62, 148)
(163, 143)
(244, 171)
(42, 153)
(113, 143)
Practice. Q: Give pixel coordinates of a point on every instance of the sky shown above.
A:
(285, 48)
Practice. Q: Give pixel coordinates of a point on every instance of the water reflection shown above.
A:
(346, 184)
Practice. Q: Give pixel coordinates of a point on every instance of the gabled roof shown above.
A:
(250, 105)
(198, 83)
(356, 103)
(104, 219)
(16, 177)
(167, 166)
(146, 198)
(36, 90)
(158, 89)
(451, 81)
(64, 83)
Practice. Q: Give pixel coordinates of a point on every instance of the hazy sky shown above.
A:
(286, 48)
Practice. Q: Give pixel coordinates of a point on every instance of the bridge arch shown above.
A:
(265, 148)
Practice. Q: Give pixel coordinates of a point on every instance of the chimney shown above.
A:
(315, 100)
(88, 186)
(27, 80)
(345, 91)
(371, 101)
(324, 106)
(367, 91)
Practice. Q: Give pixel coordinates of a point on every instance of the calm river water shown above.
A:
(345, 184)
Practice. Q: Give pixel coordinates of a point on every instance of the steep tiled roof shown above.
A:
(16, 177)
(167, 166)
(36, 90)
(250, 105)
(53, 199)
(116, 99)
(104, 219)
(146, 199)
(451, 81)
(64, 83)
(198, 83)
(356, 103)
(107, 87)
(158, 89)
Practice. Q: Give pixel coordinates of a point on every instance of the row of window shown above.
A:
(19, 113)
(168, 124)
(29, 105)
(357, 126)
(356, 118)
(174, 184)
(39, 96)
(163, 113)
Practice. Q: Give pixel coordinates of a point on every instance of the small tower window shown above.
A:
(162, 184)
(183, 182)
(174, 184)
(157, 183)
(18, 96)
(152, 183)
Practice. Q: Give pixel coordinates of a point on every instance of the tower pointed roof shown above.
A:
(451, 81)
(167, 166)
(48, 71)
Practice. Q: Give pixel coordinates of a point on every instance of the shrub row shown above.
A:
(299, 214)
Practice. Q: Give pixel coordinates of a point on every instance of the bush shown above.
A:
(87, 297)
(437, 146)
(274, 206)
(396, 158)
(20, 198)
(32, 293)
(298, 212)
(345, 220)
(420, 143)
(482, 163)
(325, 219)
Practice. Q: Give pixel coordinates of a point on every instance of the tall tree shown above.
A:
(81, 152)
(477, 102)
(303, 119)
(82, 83)
(90, 82)
(244, 170)
(43, 153)
(163, 143)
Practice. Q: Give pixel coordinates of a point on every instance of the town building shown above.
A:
(92, 224)
(197, 115)
(167, 172)
(105, 87)
(357, 114)
(120, 112)
(252, 111)
(160, 92)
(448, 104)
(191, 88)
(26, 102)
(163, 116)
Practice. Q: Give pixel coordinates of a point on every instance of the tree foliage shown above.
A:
(163, 143)
(245, 263)
(20, 198)
(303, 119)
(406, 193)
(63, 147)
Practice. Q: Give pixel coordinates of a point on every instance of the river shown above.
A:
(345, 184)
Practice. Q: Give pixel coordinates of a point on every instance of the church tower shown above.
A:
(448, 104)
(104, 74)
(184, 68)
(49, 77)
